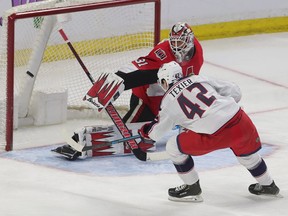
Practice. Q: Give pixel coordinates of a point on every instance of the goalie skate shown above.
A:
(186, 193)
(68, 152)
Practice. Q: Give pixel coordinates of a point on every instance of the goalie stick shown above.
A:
(110, 109)
(109, 143)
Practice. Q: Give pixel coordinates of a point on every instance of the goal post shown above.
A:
(34, 58)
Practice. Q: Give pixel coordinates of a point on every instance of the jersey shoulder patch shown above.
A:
(160, 53)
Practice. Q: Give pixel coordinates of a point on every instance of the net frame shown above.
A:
(12, 18)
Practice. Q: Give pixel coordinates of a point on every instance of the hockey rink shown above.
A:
(34, 181)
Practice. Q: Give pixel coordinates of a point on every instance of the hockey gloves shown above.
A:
(143, 132)
(106, 89)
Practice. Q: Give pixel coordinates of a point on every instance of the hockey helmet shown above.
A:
(181, 40)
(169, 74)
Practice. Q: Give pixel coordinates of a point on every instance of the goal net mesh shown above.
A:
(106, 38)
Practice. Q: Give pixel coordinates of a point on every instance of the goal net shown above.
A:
(37, 64)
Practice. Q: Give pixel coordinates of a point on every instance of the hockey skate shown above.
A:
(68, 152)
(186, 193)
(258, 189)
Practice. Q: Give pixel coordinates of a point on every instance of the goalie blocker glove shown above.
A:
(105, 90)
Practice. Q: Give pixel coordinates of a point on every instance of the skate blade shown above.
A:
(273, 196)
(197, 198)
(269, 196)
(279, 196)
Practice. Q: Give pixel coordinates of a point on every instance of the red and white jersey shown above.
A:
(152, 94)
(197, 103)
(162, 53)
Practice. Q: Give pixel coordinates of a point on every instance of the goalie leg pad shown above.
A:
(101, 134)
(92, 141)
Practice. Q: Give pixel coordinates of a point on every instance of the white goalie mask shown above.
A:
(169, 74)
(181, 40)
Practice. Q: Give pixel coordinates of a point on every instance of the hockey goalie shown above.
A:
(140, 76)
(103, 140)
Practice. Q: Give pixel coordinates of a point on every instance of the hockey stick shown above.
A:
(110, 109)
(153, 156)
(109, 143)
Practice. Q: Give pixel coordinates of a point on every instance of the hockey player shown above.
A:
(208, 111)
(141, 76)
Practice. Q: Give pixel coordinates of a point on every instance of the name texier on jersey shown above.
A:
(197, 103)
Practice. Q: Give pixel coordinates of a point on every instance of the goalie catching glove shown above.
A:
(105, 90)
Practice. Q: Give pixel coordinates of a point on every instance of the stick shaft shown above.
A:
(110, 109)
(109, 143)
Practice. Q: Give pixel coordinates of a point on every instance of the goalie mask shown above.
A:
(169, 74)
(181, 40)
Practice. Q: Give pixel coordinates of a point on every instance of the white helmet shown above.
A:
(181, 40)
(168, 74)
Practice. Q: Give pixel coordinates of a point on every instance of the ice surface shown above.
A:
(33, 181)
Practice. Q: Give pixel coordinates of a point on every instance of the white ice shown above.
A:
(31, 185)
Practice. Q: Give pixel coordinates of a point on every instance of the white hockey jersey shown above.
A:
(197, 103)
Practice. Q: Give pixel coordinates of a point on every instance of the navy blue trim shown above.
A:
(186, 166)
(259, 170)
(244, 155)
